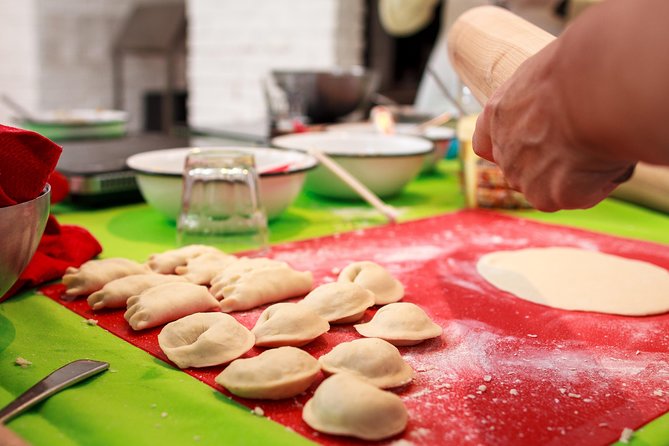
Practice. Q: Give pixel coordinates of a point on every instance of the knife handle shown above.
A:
(488, 43)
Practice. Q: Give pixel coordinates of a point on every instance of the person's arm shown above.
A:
(574, 119)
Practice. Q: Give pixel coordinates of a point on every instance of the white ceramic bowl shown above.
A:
(62, 125)
(159, 176)
(385, 164)
(440, 136)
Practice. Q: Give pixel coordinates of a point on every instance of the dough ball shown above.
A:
(274, 374)
(374, 278)
(372, 359)
(204, 339)
(400, 323)
(339, 302)
(345, 405)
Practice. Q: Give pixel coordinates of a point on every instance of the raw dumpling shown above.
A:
(401, 323)
(374, 278)
(166, 262)
(116, 293)
(94, 274)
(205, 339)
(275, 374)
(166, 303)
(263, 286)
(346, 405)
(288, 324)
(201, 269)
(373, 359)
(236, 269)
(339, 302)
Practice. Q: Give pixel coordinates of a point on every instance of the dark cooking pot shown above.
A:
(327, 95)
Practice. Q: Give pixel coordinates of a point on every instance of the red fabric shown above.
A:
(26, 161)
(61, 246)
(59, 187)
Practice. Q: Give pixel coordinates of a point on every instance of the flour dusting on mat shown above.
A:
(484, 380)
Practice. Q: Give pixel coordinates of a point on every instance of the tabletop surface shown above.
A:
(142, 400)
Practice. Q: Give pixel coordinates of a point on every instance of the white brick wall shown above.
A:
(232, 46)
(57, 53)
(63, 49)
(19, 67)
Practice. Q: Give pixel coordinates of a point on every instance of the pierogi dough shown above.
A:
(576, 279)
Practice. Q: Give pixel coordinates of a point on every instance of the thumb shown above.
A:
(481, 141)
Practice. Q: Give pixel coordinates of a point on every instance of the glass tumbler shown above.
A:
(220, 204)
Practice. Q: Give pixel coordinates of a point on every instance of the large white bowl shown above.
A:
(383, 163)
(440, 137)
(159, 176)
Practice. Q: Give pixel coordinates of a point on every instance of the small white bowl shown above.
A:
(440, 136)
(282, 174)
(383, 163)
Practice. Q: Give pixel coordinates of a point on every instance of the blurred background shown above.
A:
(212, 54)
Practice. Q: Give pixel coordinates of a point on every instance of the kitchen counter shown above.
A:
(144, 401)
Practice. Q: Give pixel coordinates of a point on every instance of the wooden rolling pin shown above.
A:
(488, 43)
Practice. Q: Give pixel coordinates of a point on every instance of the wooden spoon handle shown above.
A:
(488, 43)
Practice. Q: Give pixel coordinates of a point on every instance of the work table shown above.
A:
(142, 400)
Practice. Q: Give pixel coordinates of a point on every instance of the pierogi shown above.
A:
(201, 269)
(288, 324)
(116, 293)
(400, 323)
(166, 303)
(372, 359)
(237, 268)
(339, 302)
(94, 274)
(374, 278)
(346, 405)
(166, 262)
(274, 374)
(257, 287)
(204, 339)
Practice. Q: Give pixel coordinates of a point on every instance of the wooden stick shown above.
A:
(388, 211)
(436, 121)
(445, 92)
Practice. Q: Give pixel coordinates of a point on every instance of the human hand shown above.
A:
(526, 130)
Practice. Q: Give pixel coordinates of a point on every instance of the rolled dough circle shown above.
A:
(577, 279)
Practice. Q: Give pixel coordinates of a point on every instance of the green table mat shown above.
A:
(143, 401)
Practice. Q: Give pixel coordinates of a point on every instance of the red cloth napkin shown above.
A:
(61, 246)
(27, 163)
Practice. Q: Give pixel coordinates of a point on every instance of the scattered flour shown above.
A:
(626, 435)
(22, 362)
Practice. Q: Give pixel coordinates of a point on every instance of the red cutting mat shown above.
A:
(550, 376)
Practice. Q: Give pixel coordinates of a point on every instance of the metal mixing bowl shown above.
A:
(21, 226)
(327, 95)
